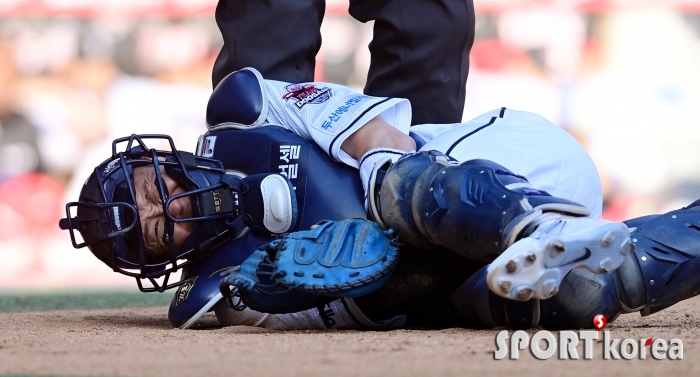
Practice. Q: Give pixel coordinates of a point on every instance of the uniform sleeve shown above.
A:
(329, 113)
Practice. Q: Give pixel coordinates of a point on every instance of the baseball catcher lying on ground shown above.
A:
(492, 222)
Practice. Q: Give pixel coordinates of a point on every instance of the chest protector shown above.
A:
(324, 190)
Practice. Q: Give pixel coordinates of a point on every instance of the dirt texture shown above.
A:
(139, 342)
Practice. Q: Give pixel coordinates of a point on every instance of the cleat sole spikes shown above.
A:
(608, 239)
(505, 287)
(550, 287)
(511, 267)
(606, 265)
(524, 294)
(597, 245)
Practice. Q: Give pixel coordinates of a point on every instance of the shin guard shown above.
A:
(477, 208)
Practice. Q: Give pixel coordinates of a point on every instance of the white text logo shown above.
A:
(565, 346)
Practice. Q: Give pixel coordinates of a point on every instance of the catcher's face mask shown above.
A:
(107, 217)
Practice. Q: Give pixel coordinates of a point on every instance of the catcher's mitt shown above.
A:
(305, 269)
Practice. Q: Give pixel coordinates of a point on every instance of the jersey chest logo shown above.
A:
(304, 94)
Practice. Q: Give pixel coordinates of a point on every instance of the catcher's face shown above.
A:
(150, 206)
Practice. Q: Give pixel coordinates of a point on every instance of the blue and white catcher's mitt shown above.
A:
(305, 269)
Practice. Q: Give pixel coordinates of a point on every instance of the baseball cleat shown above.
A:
(534, 266)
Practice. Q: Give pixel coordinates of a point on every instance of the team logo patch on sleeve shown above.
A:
(304, 94)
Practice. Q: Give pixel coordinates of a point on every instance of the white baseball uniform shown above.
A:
(525, 143)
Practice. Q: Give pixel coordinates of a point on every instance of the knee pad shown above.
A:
(394, 201)
(477, 208)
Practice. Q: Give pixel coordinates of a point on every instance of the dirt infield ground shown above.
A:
(139, 342)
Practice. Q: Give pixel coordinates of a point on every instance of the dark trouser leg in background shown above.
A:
(420, 51)
(278, 38)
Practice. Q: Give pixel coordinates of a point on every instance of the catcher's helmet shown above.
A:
(107, 217)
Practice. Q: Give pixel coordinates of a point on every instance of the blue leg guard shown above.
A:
(668, 256)
(477, 208)
(484, 309)
(581, 297)
(484, 212)
(664, 270)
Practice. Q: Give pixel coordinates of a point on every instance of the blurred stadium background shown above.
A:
(623, 76)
